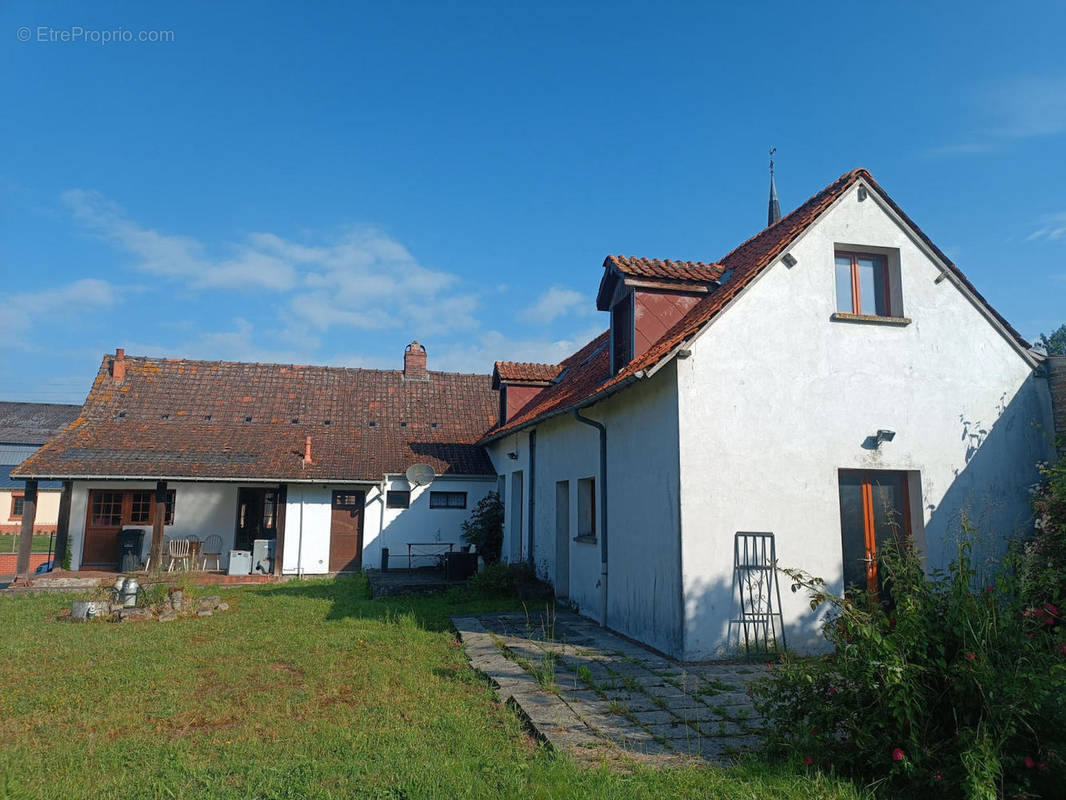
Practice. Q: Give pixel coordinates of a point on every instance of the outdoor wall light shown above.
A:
(513, 456)
(884, 435)
(789, 259)
(863, 194)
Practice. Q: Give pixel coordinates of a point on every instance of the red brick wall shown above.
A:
(9, 562)
(1057, 382)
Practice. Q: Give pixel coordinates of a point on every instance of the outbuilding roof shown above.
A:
(33, 423)
(588, 377)
(249, 421)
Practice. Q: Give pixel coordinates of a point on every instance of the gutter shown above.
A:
(580, 404)
(229, 479)
(603, 510)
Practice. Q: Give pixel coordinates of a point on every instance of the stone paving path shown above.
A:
(594, 694)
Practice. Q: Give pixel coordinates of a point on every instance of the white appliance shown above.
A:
(240, 562)
(263, 556)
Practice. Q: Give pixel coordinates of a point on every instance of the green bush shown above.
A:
(484, 529)
(512, 580)
(950, 688)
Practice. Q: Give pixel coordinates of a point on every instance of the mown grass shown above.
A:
(306, 689)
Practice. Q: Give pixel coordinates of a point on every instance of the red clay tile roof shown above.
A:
(190, 419)
(665, 268)
(523, 372)
(590, 379)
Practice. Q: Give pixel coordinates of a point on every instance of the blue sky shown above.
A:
(322, 185)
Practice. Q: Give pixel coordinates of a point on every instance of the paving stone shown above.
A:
(674, 731)
(658, 717)
(655, 708)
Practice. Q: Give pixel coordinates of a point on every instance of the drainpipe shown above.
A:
(603, 510)
(381, 517)
(300, 541)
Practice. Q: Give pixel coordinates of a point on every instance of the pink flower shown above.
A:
(897, 754)
(832, 690)
(990, 588)
(1029, 763)
(1051, 609)
(970, 656)
(938, 777)
(808, 760)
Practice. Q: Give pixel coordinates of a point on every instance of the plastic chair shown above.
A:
(212, 551)
(178, 550)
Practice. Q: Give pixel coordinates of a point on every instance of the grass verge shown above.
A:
(306, 689)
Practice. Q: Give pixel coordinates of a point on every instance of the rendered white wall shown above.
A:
(776, 398)
(200, 509)
(382, 527)
(644, 590)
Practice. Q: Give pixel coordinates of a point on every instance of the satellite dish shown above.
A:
(420, 474)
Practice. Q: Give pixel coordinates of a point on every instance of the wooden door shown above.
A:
(346, 531)
(873, 513)
(102, 523)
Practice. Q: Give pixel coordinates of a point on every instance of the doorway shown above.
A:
(874, 513)
(346, 531)
(562, 539)
(256, 516)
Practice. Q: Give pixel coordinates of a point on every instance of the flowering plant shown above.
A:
(935, 683)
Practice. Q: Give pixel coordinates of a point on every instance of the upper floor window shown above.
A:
(865, 285)
(621, 333)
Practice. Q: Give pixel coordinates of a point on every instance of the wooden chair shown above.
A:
(178, 550)
(212, 551)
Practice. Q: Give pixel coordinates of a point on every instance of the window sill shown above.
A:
(585, 539)
(870, 319)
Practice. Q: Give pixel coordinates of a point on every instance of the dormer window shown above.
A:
(621, 333)
(868, 284)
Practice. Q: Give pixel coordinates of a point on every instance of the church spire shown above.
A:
(773, 214)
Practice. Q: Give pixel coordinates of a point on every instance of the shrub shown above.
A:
(518, 580)
(954, 689)
(484, 529)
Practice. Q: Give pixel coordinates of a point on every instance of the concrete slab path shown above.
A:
(595, 694)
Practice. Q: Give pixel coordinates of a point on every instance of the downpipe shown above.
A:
(603, 510)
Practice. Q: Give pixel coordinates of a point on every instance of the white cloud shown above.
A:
(1052, 227)
(240, 342)
(478, 353)
(1021, 107)
(358, 278)
(553, 303)
(28, 310)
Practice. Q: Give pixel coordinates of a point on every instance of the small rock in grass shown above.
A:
(168, 616)
(211, 600)
(204, 612)
(222, 607)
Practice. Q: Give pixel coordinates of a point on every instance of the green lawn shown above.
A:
(9, 542)
(304, 689)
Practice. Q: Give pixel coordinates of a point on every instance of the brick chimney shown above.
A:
(307, 452)
(118, 366)
(414, 362)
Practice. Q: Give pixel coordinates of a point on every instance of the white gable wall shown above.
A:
(776, 398)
